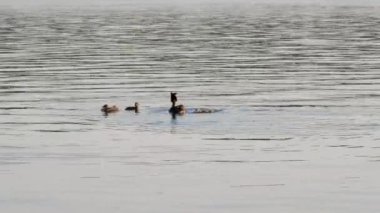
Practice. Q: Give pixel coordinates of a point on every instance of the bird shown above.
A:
(133, 108)
(108, 109)
(180, 109)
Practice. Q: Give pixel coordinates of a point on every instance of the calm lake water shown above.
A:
(298, 86)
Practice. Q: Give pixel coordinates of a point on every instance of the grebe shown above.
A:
(133, 108)
(107, 109)
(180, 109)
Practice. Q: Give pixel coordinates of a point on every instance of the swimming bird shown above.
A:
(180, 109)
(108, 109)
(133, 108)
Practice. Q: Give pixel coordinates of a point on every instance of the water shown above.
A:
(298, 86)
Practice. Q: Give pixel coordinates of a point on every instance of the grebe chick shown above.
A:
(108, 109)
(133, 108)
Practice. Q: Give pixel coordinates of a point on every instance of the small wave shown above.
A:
(203, 110)
(13, 162)
(46, 123)
(61, 130)
(12, 147)
(258, 185)
(12, 108)
(255, 161)
(56, 130)
(248, 139)
(346, 146)
(298, 105)
(90, 177)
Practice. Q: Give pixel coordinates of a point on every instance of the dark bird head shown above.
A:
(104, 108)
(173, 97)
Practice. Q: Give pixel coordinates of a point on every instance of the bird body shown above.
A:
(180, 109)
(133, 108)
(108, 109)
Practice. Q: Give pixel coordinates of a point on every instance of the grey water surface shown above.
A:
(298, 87)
